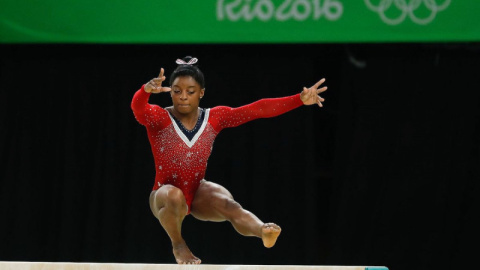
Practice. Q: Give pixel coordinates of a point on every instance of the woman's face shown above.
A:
(186, 94)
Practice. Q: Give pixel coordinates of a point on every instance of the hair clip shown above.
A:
(191, 62)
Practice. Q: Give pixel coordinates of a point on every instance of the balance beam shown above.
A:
(131, 266)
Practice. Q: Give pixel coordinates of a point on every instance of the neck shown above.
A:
(188, 120)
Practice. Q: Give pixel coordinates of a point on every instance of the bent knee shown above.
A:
(226, 204)
(174, 198)
(232, 204)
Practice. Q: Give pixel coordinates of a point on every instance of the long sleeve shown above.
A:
(148, 114)
(225, 117)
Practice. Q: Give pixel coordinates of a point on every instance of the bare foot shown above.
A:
(270, 233)
(183, 255)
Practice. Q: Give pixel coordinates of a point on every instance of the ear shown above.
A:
(202, 92)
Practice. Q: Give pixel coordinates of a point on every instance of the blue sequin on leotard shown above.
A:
(191, 133)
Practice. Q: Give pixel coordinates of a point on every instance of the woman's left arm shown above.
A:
(224, 117)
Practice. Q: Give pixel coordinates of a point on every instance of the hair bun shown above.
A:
(186, 67)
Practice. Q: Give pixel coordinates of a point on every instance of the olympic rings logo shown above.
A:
(408, 9)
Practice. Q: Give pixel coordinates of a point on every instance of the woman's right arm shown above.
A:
(140, 107)
(145, 113)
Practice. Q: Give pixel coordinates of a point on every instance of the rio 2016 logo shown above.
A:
(394, 12)
(266, 10)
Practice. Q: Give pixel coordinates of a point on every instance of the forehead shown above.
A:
(185, 81)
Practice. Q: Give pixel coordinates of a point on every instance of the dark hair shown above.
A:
(188, 70)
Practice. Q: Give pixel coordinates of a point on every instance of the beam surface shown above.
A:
(131, 266)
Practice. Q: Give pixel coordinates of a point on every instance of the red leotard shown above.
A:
(182, 162)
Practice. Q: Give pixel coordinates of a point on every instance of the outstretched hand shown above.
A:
(155, 84)
(310, 95)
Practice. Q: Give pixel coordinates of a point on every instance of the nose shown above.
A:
(183, 95)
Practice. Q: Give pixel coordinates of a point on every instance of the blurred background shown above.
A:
(386, 173)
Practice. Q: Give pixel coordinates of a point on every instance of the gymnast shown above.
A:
(181, 138)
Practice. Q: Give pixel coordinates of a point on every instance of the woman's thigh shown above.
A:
(211, 202)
